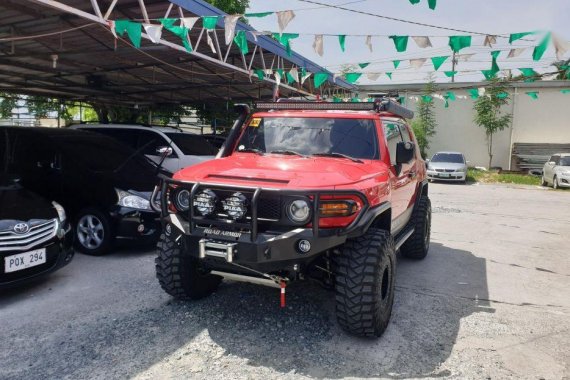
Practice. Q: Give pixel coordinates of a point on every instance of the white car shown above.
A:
(556, 171)
(182, 148)
(447, 166)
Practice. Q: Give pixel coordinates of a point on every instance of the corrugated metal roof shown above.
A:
(92, 66)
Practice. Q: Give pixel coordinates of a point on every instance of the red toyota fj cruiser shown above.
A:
(329, 191)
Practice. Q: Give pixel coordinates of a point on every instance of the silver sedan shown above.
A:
(447, 166)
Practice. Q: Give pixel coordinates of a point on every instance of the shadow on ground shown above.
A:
(432, 297)
(246, 322)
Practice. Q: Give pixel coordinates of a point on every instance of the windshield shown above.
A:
(448, 157)
(307, 136)
(192, 145)
(565, 161)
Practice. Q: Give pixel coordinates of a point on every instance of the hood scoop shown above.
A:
(248, 179)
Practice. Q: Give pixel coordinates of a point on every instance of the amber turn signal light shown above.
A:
(337, 208)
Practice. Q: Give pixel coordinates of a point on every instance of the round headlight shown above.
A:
(182, 200)
(298, 211)
(235, 206)
(205, 202)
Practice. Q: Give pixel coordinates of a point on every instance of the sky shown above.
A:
(496, 17)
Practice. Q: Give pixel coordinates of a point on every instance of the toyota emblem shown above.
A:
(21, 228)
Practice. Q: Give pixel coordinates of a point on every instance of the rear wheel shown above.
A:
(543, 181)
(417, 245)
(93, 233)
(181, 275)
(364, 282)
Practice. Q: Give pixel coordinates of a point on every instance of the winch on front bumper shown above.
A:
(263, 239)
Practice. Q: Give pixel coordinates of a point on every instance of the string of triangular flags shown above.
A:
(209, 23)
(447, 97)
(180, 27)
(528, 73)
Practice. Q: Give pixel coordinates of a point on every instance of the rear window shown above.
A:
(352, 137)
(448, 157)
(192, 145)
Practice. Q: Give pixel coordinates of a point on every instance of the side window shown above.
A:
(556, 160)
(125, 136)
(31, 155)
(150, 141)
(393, 137)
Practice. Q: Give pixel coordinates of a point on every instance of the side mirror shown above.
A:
(164, 151)
(467, 162)
(426, 160)
(404, 152)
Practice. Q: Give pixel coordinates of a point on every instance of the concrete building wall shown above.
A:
(456, 131)
(546, 120)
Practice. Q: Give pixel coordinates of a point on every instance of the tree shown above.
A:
(7, 104)
(488, 113)
(231, 7)
(564, 69)
(425, 124)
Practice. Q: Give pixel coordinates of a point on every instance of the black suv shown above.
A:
(103, 185)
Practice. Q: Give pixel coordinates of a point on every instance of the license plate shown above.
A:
(445, 175)
(24, 260)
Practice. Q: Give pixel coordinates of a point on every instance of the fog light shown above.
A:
(304, 246)
(140, 228)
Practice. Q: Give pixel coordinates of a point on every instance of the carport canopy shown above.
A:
(66, 49)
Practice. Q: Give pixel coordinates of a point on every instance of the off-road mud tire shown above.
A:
(179, 274)
(365, 273)
(417, 245)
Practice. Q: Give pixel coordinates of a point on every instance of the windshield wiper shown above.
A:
(289, 152)
(339, 155)
(250, 150)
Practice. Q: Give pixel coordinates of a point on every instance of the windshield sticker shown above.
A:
(255, 122)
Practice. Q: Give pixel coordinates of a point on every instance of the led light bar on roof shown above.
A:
(378, 106)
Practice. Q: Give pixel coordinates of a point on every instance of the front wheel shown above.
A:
(180, 274)
(93, 234)
(555, 183)
(417, 245)
(365, 273)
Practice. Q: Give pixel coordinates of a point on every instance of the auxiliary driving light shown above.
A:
(235, 206)
(205, 202)
(298, 211)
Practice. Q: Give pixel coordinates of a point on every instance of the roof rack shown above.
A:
(380, 105)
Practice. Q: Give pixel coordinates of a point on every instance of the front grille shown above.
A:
(38, 233)
(445, 170)
(269, 208)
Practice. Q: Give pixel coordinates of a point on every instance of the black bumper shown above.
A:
(59, 253)
(131, 224)
(268, 253)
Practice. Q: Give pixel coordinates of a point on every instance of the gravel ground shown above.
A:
(489, 301)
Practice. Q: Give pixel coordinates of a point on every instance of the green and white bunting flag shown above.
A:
(456, 43)
(400, 42)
